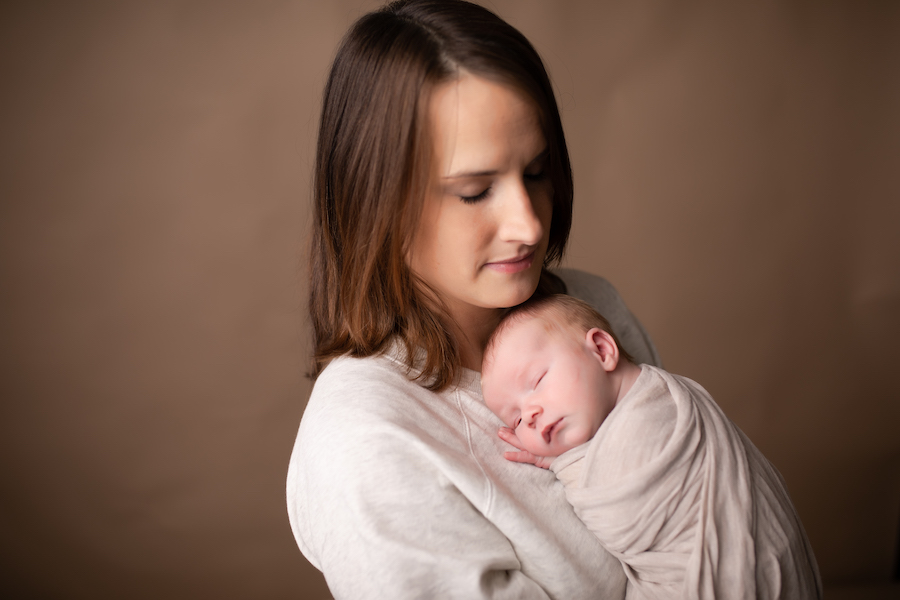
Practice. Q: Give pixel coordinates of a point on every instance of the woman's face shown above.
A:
(485, 224)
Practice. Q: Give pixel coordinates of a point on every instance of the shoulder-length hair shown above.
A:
(373, 167)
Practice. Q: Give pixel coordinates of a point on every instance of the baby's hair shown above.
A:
(571, 314)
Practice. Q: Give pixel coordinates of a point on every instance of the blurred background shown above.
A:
(737, 171)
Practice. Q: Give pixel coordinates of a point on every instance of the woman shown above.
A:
(443, 190)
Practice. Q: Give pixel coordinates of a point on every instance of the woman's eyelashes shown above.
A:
(536, 170)
(532, 175)
(536, 175)
(477, 197)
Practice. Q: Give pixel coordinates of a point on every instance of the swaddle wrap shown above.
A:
(685, 501)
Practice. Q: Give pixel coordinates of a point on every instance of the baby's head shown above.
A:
(552, 373)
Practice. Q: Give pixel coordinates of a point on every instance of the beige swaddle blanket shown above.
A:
(685, 501)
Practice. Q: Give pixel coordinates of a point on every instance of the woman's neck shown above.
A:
(473, 328)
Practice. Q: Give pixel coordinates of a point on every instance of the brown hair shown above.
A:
(570, 314)
(373, 164)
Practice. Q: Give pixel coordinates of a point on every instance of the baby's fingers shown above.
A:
(509, 436)
(523, 456)
(527, 457)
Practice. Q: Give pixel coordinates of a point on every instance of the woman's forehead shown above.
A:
(479, 125)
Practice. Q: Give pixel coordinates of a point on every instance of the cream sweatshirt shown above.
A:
(397, 492)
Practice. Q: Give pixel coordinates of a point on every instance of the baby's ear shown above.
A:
(603, 347)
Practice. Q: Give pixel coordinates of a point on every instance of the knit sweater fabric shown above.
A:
(394, 491)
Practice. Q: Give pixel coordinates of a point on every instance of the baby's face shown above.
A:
(547, 385)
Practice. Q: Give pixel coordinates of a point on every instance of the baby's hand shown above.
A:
(522, 456)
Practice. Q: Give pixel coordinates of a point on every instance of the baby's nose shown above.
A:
(533, 413)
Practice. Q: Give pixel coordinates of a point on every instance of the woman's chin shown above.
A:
(517, 294)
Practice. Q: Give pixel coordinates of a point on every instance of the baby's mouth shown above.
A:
(548, 431)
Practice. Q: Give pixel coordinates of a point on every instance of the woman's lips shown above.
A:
(513, 265)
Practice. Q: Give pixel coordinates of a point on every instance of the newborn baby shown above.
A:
(650, 463)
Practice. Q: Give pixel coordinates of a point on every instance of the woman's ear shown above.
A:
(603, 347)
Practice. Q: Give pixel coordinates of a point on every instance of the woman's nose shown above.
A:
(518, 220)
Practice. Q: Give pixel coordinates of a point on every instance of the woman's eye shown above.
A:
(536, 175)
(476, 197)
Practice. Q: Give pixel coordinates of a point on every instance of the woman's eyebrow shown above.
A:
(471, 174)
(542, 155)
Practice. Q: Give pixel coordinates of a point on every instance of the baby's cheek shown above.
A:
(577, 438)
(535, 444)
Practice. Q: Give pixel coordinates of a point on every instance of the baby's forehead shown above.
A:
(506, 342)
(551, 322)
(537, 327)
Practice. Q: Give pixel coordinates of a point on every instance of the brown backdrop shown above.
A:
(736, 178)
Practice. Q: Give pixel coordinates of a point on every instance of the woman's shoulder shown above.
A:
(596, 291)
(368, 434)
(378, 400)
(361, 411)
(357, 389)
(349, 372)
(579, 283)
(603, 296)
